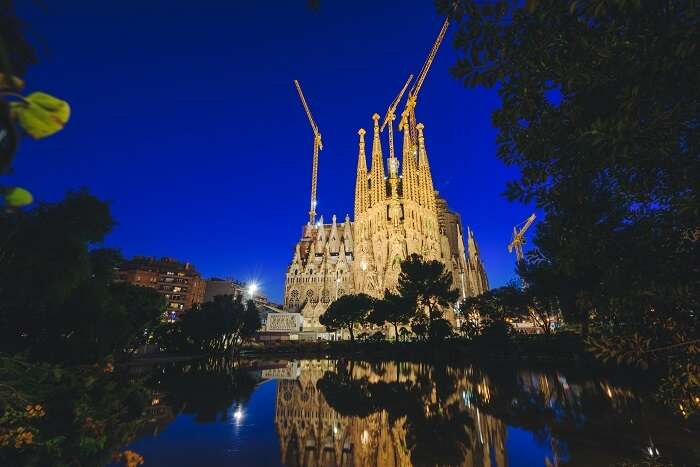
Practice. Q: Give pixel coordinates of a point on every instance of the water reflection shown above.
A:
(353, 413)
(401, 414)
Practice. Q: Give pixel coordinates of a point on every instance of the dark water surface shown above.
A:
(351, 413)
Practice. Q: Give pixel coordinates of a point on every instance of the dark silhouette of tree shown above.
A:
(500, 305)
(392, 309)
(59, 301)
(346, 312)
(427, 287)
(604, 128)
(541, 294)
(220, 325)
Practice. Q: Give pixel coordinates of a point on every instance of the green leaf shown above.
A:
(17, 197)
(41, 115)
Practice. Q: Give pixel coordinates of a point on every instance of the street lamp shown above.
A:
(252, 289)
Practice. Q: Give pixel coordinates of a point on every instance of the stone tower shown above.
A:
(397, 212)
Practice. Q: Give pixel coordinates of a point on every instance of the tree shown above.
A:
(59, 299)
(500, 305)
(346, 312)
(392, 309)
(541, 294)
(251, 321)
(427, 287)
(220, 325)
(599, 112)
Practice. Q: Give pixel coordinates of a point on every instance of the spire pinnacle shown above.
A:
(425, 178)
(361, 201)
(378, 189)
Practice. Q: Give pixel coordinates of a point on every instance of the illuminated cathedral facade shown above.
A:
(397, 213)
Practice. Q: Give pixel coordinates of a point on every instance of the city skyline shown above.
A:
(212, 165)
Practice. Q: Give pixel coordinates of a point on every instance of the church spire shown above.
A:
(361, 179)
(378, 193)
(427, 191)
(410, 190)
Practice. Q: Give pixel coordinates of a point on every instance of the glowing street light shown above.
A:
(252, 289)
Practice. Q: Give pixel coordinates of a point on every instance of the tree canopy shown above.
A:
(427, 287)
(393, 309)
(346, 312)
(219, 325)
(600, 112)
(59, 301)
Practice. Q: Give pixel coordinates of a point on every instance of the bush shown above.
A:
(377, 336)
(440, 330)
(495, 333)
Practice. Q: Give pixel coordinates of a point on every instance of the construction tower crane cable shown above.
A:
(318, 146)
(408, 116)
(519, 238)
(391, 115)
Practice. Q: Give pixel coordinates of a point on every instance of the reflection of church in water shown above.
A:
(313, 434)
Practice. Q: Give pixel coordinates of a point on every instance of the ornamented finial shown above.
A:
(376, 118)
(361, 132)
(420, 127)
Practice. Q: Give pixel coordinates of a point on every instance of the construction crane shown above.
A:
(519, 237)
(391, 115)
(408, 116)
(318, 146)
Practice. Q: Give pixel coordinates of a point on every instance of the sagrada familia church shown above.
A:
(397, 213)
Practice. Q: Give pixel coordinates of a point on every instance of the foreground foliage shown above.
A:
(65, 416)
(58, 299)
(38, 115)
(600, 113)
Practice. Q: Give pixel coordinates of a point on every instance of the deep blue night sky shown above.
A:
(186, 120)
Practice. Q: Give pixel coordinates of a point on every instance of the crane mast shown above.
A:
(391, 115)
(408, 116)
(318, 146)
(519, 238)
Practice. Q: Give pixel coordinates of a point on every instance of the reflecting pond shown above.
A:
(350, 413)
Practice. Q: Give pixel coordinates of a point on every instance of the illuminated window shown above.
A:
(294, 297)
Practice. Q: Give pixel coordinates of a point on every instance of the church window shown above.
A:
(325, 297)
(294, 297)
(310, 296)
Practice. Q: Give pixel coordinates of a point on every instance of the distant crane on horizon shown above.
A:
(519, 238)
(318, 146)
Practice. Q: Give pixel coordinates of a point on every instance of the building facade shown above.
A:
(396, 214)
(217, 286)
(180, 283)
